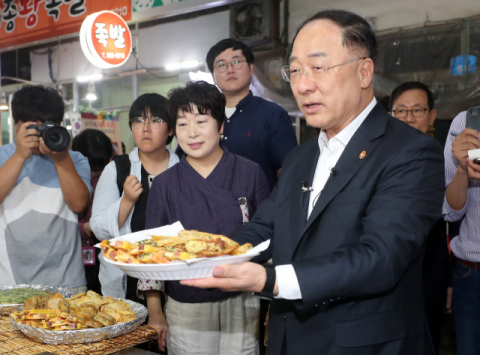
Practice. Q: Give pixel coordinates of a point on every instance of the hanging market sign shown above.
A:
(106, 39)
(26, 21)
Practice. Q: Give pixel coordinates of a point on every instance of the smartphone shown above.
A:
(473, 122)
(473, 118)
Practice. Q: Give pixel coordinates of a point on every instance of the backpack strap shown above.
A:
(122, 162)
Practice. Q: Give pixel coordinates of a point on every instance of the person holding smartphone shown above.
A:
(462, 199)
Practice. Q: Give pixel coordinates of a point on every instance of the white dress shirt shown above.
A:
(330, 152)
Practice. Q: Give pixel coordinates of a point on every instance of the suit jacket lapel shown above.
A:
(364, 140)
(305, 170)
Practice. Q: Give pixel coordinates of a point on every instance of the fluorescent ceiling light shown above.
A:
(69, 127)
(3, 103)
(173, 66)
(190, 64)
(95, 77)
(91, 96)
(88, 78)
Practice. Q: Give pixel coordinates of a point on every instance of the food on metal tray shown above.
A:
(189, 244)
(85, 310)
(19, 295)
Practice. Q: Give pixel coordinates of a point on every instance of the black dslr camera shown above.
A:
(56, 138)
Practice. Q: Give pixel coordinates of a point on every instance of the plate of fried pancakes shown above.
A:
(83, 318)
(188, 255)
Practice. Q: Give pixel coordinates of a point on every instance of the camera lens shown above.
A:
(56, 138)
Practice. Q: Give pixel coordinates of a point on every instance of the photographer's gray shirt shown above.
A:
(39, 237)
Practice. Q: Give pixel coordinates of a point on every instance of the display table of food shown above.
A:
(15, 342)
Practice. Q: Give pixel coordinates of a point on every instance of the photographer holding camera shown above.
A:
(41, 191)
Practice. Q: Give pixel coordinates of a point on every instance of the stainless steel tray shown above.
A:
(5, 309)
(84, 335)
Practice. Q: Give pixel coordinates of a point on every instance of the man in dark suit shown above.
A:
(413, 103)
(351, 212)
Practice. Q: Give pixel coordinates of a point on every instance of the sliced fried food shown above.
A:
(104, 319)
(73, 308)
(109, 253)
(241, 249)
(189, 244)
(57, 301)
(91, 304)
(93, 324)
(91, 309)
(32, 302)
(94, 295)
(119, 318)
(78, 295)
(106, 316)
(179, 255)
(144, 248)
(154, 258)
(122, 256)
(120, 244)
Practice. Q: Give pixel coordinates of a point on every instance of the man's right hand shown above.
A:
(133, 189)
(27, 141)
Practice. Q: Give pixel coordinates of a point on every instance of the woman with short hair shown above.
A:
(213, 191)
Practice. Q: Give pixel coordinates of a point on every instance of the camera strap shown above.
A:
(122, 163)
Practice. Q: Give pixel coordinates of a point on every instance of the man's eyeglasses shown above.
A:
(139, 122)
(416, 112)
(236, 65)
(291, 73)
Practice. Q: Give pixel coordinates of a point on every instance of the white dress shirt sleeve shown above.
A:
(288, 287)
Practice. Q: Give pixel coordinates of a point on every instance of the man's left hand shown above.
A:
(233, 278)
(55, 156)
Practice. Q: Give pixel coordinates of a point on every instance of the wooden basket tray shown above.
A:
(15, 343)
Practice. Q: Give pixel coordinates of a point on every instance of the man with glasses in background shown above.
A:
(413, 103)
(254, 128)
(349, 217)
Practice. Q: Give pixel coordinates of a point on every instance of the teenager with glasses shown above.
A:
(116, 212)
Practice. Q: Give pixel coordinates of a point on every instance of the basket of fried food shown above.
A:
(191, 254)
(84, 318)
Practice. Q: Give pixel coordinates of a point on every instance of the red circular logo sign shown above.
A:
(106, 39)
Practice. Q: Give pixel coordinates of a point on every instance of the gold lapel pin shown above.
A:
(362, 154)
